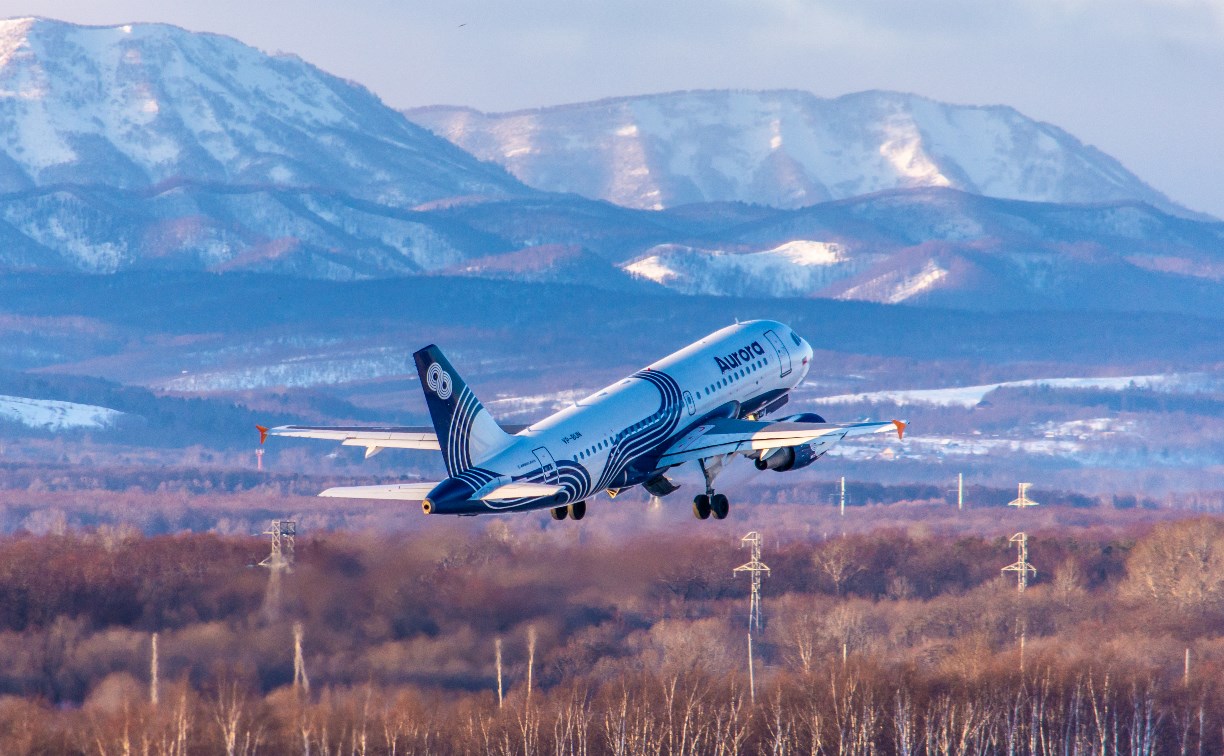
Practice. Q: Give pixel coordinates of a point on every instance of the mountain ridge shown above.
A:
(312, 176)
(785, 148)
(134, 105)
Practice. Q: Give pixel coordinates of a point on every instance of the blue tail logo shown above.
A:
(467, 433)
(439, 381)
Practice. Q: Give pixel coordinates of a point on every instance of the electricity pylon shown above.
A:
(755, 568)
(1022, 500)
(1021, 566)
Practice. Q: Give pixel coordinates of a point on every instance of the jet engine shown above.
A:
(787, 458)
(791, 457)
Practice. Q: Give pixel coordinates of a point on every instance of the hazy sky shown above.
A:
(1142, 80)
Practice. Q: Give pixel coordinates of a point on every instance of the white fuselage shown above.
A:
(614, 437)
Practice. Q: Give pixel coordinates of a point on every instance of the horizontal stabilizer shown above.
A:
(396, 491)
(418, 491)
(520, 491)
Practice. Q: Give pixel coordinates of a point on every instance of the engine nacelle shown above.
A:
(788, 458)
(791, 457)
(803, 417)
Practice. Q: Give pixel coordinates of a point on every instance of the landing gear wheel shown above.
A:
(577, 510)
(559, 513)
(701, 507)
(719, 506)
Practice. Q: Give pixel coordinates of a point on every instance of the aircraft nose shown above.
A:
(806, 355)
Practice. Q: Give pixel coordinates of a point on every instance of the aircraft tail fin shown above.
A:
(467, 433)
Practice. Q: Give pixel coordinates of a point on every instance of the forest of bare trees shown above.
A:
(883, 642)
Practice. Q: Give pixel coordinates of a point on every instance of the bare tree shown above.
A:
(231, 708)
(839, 560)
(1180, 563)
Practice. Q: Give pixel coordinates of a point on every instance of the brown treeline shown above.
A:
(886, 642)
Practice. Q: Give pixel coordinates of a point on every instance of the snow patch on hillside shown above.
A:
(896, 286)
(511, 406)
(298, 372)
(52, 415)
(970, 396)
(796, 268)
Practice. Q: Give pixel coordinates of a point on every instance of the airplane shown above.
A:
(702, 404)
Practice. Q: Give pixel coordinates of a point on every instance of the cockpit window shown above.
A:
(795, 339)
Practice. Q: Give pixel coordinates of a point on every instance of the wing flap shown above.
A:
(728, 436)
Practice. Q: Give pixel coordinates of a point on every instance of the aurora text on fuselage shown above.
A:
(740, 357)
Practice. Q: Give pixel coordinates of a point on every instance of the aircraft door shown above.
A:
(784, 358)
(546, 464)
(688, 402)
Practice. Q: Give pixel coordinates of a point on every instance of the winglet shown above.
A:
(901, 425)
(263, 434)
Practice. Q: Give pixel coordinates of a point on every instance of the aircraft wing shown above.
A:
(373, 438)
(728, 436)
(418, 491)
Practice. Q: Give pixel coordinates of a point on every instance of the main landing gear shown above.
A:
(575, 511)
(705, 505)
(710, 503)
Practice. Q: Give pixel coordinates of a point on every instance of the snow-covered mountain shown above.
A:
(948, 248)
(55, 415)
(786, 149)
(150, 147)
(148, 105)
